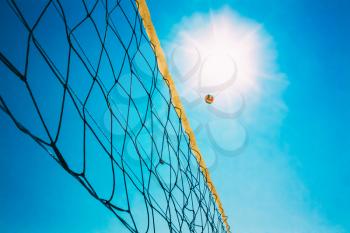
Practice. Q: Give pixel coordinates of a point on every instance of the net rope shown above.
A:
(84, 84)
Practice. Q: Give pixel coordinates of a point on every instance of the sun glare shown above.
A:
(220, 52)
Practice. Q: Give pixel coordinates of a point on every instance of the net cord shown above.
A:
(164, 70)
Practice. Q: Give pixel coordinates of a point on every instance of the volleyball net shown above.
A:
(88, 82)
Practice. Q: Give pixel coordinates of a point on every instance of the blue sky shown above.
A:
(294, 167)
(311, 49)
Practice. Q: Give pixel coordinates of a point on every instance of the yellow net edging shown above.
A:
(163, 68)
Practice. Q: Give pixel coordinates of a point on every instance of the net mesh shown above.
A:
(81, 79)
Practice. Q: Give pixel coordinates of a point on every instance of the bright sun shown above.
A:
(220, 54)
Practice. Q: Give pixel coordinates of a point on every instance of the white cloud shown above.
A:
(260, 188)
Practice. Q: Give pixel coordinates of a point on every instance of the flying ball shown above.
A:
(209, 99)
